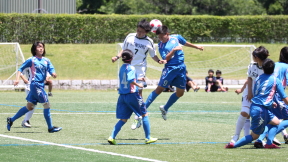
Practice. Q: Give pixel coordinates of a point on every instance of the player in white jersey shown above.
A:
(140, 44)
(254, 70)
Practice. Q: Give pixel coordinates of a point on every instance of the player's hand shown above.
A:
(162, 62)
(26, 81)
(238, 91)
(54, 75)
(274, 105)
(200, 48)
(140, 85)
(178, 48)
(16, 82)
(114, 59)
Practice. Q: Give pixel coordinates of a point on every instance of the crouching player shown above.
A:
(264, 90)
(129, 100)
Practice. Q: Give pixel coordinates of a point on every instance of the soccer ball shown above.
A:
(155, 24)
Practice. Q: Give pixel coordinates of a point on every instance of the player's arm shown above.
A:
(238, 91)
(51, 70)
(26, 64)
(188, 44)
(140, 85)
(156, 58)
(115, 58)
(250, 93)
(172, 52)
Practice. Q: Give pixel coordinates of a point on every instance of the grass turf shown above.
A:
(197, 128)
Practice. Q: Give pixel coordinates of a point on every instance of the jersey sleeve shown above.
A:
(280, 89)
(151, 49)
(124, 45)
(181, 39)
(131, 74)
(26, 64)
(50, 67)
(249, 71)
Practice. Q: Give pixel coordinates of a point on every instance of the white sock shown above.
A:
(247, 127)
(239, 124)
(29, 115)
(136, 117)
(284, 132)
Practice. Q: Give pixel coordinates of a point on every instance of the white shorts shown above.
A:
(140, 71)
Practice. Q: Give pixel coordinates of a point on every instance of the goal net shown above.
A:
(11, 58)
(231, 60)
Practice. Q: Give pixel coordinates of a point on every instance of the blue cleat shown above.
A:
(9, 123)
(54, 129)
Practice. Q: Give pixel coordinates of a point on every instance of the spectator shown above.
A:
(191, 84)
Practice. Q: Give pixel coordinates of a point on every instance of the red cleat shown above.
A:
(272, 146)
(229, 145)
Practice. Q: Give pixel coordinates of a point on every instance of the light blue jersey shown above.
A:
(181, 39)
(281, 72)
(165, 48)
(39, 68)
(265, 89)
(127, 75)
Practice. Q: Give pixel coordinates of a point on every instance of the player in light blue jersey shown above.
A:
(39, 66)
(174, 72)
(129, 100)
(266, 85)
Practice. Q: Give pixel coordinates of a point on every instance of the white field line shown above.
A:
(80, 148)
(115, 113)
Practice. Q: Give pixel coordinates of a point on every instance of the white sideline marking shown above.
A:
(80, 148)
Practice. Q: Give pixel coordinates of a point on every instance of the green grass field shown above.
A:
(197, 128)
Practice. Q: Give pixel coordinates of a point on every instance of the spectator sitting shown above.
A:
(191, 84)
(219, 82)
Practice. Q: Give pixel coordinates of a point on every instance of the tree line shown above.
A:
(184, 7)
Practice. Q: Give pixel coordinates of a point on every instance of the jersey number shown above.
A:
(124, 80)
(136, 51)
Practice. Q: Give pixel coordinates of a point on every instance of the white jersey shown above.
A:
(140, 47)
(253, 72)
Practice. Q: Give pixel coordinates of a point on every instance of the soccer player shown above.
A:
(191, 84)
(140, 44)
(264, 91)
(254, 70)
(129, 100)
(174, 72)
(39, 65)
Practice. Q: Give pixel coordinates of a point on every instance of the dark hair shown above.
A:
(268, 66)
(210, 71)
(144, 25)
(127, 56)
(162, 30)
(218, 72)
(34, 46)
(284, 55)
(261, 52)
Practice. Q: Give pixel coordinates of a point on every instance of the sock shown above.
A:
(20, 113)
(263, 135)
(136, 117)
(282, 126)
(239, 124)
(243, 141)
(173, 98)
(48, 118)
(146, 126)
(284, 132)
(117, 128)
(247, 126)
(29, 115)
(150, 99)
(272, 130)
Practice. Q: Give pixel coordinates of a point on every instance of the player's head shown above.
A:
(260, 53)
(218, 73)
(127, 56)
(38, 47)
(268, 66)
(143, 27)
(210, 72)
(284, 55)
(163, 33)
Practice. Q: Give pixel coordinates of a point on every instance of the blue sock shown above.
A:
(263, 135)
(20, 113)
(150, 99)
(243, 141)
(117, 128)
(272, 130)
(48, 118)
(282, 126)
(146, 126)
(173, 98)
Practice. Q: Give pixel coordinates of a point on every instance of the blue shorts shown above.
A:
(129, 103)
(37, 93)
(261, 116)
(173, 75)
(281, 111)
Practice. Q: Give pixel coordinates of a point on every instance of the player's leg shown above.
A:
(208, 89)
(50, 85)
(28, 116)
(247, 126)
(20, 113)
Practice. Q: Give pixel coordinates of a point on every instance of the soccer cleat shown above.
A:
(9, 123)
(151, 140)
(54, 129)
(137, 123)
(163, 111)
(285, 138)
(112, 141)
(229, 145)
(196, 89)
(235, 138)
(50, 94)
(25, 124)
(272, 146)
(276, 142)
(258, 144)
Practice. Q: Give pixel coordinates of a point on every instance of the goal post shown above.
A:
(232, 60)
(11, 58)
